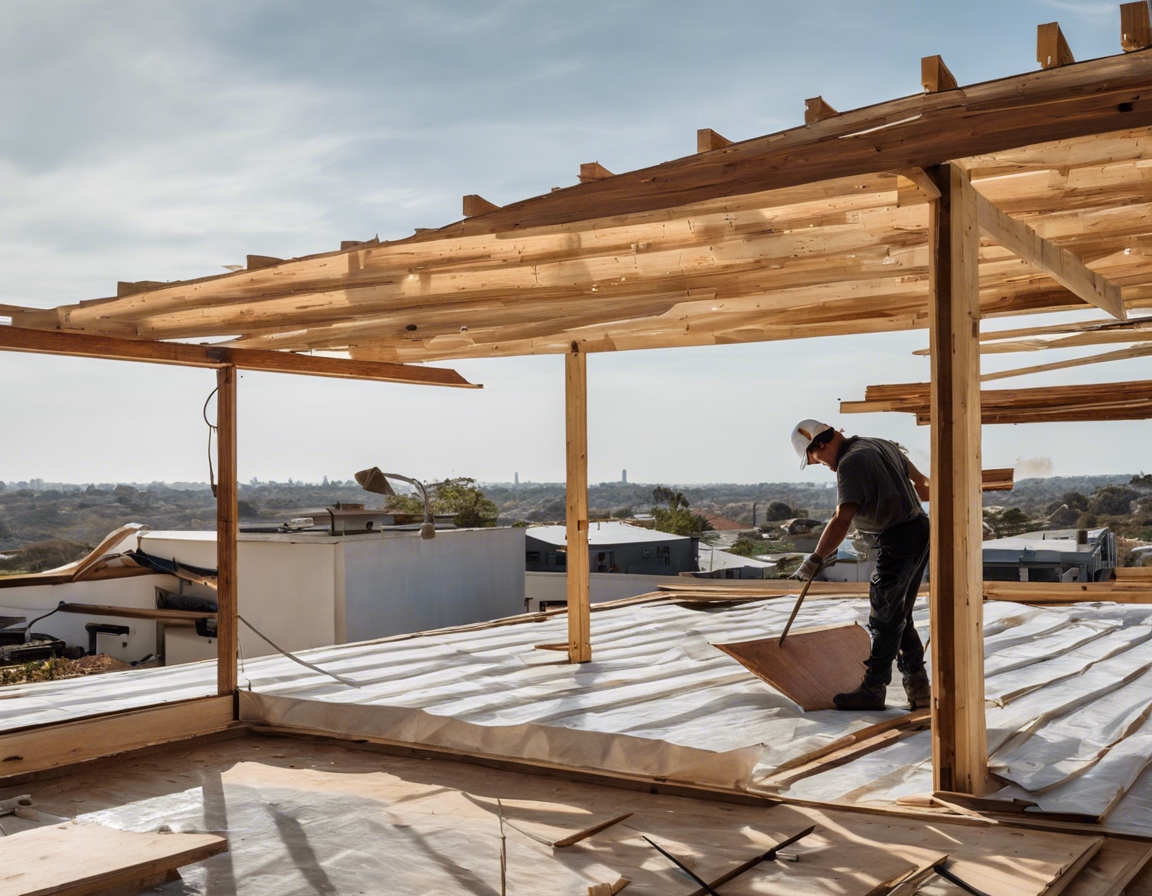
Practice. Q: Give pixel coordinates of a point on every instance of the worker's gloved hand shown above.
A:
(811, 565)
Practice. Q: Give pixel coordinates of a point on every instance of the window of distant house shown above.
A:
(664, 554)
(645, 553)
(532, 556)
(557, 559)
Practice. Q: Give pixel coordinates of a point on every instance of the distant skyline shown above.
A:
(155, 140)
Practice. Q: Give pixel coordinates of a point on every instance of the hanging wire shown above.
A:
(211, 430)
(296, 659)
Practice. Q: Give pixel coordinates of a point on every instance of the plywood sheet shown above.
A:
(811, 667)
(77, 858)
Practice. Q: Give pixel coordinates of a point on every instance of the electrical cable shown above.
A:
(212, 428)
(296, 659)
(28, 628)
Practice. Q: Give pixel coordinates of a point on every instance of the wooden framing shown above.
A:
(1051, 48)
(1060, 264)
(959, 741)
(935, 76)
(52, 746)
(227, 533)
(576, 427)
(1135, 26)
(86, 345)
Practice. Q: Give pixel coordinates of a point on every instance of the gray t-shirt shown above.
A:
(873, 474)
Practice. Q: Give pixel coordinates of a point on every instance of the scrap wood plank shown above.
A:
(1112, 868)
(914, 719)
(859, 747)
(811, 667)
(74, 859)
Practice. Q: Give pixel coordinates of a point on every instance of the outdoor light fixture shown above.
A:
(372, 480)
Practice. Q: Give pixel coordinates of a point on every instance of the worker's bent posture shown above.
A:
(880, 490)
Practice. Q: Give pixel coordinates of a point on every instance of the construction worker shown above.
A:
(879, 490)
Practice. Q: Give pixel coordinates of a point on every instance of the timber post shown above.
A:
(959, 738)
(227, 532)
(577, 566)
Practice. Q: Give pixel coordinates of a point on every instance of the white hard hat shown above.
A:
(802, 436)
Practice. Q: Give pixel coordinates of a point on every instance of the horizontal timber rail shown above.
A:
(87, 345)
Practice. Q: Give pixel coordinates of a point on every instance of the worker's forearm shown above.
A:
(922, 491)
(833, 534)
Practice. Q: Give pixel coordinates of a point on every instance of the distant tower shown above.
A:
(624, 476)
(516, 480)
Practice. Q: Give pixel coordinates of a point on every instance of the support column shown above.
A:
(576, 427)
(227, 532)
(959, 739)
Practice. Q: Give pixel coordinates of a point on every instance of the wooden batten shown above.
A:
(590, 171)
(816, 109)
(959, 743)
(576, 429)
(131, 288)
(256, 262)
(708, 140)
(345, 245)
(477, 205)
(1135, 26)
(935, 76)
(1052, 49)
(227, 533)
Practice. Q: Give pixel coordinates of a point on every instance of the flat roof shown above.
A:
(604, 534)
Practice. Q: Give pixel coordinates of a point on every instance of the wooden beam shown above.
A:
(959, 742)
(86, 345)
(345, 245)
(478, 205)
(1058, 263)
(1135, 26)
(935, 76)
(1136, 351)
(708, 140)
(51, 746)
(816, 109)
(576, 428)
(1051, 48)
(590, 171)
(227, 533)
(1094, 97)
(126, 288)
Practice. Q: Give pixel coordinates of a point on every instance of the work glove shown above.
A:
(812, 564)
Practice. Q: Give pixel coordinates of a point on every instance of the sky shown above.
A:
(160, 140)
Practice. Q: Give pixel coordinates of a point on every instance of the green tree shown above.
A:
(1006, 523)
(778, 510)
(459, 496)
(672, 513)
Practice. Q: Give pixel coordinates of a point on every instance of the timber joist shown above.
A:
(1051, 404)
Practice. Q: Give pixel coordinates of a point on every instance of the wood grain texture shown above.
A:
(935, 76)
(75, 859)
(812, 666)
(1135, 26)
(959, 742)
(227, 534)
(1052, 49)
(576, 456)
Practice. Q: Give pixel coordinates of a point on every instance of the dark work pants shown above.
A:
(899, 570)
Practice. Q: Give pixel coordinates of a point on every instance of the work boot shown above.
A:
(870, 695)
(918, 689)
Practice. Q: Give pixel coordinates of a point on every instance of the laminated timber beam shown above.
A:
(85, 345)
(1058, 263)
(577, 566)
(959, 739)
(1125, 354)
(1094, 97)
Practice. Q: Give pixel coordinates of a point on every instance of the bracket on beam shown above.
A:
(708, 140)
(1051, 49)
(1135, 26)
(935, 76)
(477, 205)
(815, 109)
(591, 171)
(1058, 263)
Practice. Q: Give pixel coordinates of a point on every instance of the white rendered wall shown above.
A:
(399, 582)
(602, 586)
(286, 589)
(31, 601)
